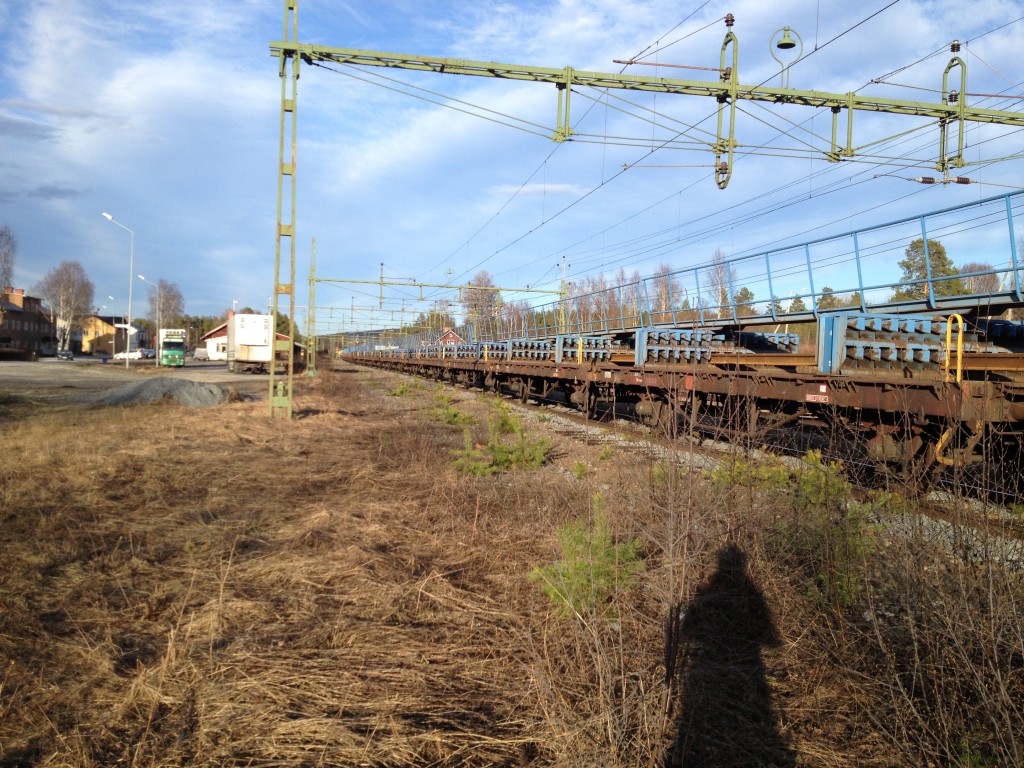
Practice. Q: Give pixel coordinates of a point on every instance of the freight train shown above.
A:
(919, 363)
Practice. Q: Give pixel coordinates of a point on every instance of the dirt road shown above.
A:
(58, 381)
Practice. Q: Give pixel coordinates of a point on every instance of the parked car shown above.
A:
(134, 354)
(201, 353)
(148, 353)
(65, 354)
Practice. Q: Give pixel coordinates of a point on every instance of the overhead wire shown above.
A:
(615, 176)
(925, 58)
(643, 53)
(544, 131)
(817, 48)
(662, 144)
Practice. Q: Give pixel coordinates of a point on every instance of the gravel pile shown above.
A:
(188, 393)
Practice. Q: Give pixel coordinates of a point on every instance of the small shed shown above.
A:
(216, 342)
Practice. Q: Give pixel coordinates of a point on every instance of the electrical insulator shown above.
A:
(962, 180)
(729, 19)
(924, 180)
(954, 47)
(953, 97)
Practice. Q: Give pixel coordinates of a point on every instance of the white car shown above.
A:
(134, 354)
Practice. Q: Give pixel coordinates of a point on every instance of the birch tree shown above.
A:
(666, 293)
(166, 305)
(720, 277)
(482, 301)
(67, 293)
(988, 283)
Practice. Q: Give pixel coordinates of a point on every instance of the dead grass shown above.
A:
(211, 587)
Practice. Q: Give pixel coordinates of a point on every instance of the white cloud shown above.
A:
(553, 189)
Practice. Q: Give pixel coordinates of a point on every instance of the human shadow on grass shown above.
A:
(713, 660)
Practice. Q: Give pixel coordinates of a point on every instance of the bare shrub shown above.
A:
(948, 643)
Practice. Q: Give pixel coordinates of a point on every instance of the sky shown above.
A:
(166, 115)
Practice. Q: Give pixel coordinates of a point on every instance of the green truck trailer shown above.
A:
(172, 347)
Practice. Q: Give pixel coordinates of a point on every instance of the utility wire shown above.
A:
(818, 48)
(901, 69)
(607, 181)
(643, 53)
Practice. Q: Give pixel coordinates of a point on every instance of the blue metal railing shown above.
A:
(797, 283)
(858, 269)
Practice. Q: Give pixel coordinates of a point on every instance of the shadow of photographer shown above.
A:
(713, 663)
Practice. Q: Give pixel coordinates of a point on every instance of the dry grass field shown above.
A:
(207, 586)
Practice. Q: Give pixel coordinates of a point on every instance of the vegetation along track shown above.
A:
(956, 511)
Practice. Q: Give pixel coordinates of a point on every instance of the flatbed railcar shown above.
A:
(918, 409)
(924, 374)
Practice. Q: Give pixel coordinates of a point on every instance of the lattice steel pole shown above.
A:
(281, 387)
(311, 340)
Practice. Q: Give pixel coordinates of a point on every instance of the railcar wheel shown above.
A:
(584, 397)
(525, 389)
(905, 457)
(658, 414)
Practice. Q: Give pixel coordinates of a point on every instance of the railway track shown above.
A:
(961, 519)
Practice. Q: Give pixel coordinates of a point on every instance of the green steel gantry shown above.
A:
(281, 390)
(952, 113)
(460, 287)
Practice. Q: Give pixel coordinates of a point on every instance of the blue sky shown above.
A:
(165, 114)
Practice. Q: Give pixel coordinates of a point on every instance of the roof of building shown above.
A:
(15, 300)
(222, 330)
(216, 333)
(110, 320)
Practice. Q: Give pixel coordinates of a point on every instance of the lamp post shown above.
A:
(158, 308)
(131, 271)
(113, 336)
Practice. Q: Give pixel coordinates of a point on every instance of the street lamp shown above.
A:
(158, 308)
(131, 271)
